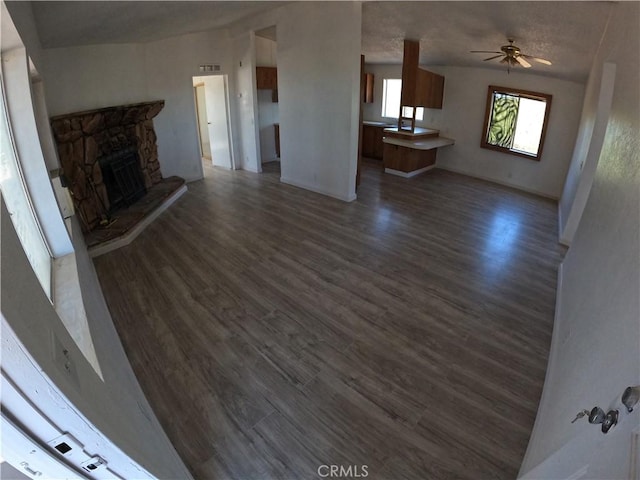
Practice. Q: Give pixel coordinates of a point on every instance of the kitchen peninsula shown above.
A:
(409, 153)
(408, 149)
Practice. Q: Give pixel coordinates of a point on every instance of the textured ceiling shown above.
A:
(64, 24)
(567, 32)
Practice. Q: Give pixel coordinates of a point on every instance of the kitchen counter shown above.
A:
(408, 156)
(371, 123)
(423, 144)
(418, 132)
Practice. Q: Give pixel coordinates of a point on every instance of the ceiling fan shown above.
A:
(512, 56)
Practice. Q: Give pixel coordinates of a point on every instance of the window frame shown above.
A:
(28, 209)
(520, 93)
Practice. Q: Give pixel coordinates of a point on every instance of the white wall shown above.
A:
(22, 17)
(268, 111)
(462, 117)
(593, 125)
(243, 45)
(95, 76)
(319, 92)
(170, 65)
(596, 350)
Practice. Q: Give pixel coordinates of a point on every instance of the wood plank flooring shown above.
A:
(275, 330)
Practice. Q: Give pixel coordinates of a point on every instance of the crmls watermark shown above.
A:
(340, 471)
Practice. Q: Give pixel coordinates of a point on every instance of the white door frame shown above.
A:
(232, 152)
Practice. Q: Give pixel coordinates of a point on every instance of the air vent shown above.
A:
(209, 67)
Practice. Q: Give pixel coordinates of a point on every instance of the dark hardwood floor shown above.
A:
(275, 330)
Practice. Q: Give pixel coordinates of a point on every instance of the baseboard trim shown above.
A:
(413, 173)
(132, 234)
(499, 182)
(561, 239)
(321, 191)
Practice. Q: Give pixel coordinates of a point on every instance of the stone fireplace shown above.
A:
(109, 158)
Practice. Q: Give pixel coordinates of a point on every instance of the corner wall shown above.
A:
(169, 67)
(595, 352)
(319, 93)
(244, 61)
(462, 118)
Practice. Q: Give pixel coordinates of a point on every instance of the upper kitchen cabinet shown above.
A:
(267, 78)
(429, 89)
(420, 88)
(367, 92)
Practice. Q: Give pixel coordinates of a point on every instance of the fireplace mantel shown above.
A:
(85, 137)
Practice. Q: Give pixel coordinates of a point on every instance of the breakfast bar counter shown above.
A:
(406, 156)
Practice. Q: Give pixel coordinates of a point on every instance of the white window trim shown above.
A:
(20, 111)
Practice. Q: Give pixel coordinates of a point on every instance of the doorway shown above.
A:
(267, 99)
(211, 100)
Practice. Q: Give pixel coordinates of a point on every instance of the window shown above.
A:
(19, 205)
(391, 90)
(515, 121)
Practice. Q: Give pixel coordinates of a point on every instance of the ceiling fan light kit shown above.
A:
(512, 56)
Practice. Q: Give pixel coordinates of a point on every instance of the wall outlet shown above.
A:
(93, 464)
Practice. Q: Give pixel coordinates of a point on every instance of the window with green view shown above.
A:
(515, 121)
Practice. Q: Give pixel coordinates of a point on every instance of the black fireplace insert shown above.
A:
(122, 177)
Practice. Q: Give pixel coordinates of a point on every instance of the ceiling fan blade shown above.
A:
(491, 58)
(536, 59)
(505, 60)
(483, 51)
(523, 62)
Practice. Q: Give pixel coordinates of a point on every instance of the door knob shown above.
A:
(630, 397)
(597, 415)
(610, 420)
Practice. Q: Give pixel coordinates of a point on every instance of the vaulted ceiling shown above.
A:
(567, 33)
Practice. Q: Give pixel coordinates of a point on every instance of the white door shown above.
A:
(203, 127)
(216, 100)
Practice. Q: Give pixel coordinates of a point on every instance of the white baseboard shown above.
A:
(499, 182)
(561, 239)
(314, 188)
(132, 234)
(413, 173)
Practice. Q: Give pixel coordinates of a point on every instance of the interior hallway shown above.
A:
(275, 330)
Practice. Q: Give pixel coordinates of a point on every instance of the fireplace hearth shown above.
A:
(109, 158)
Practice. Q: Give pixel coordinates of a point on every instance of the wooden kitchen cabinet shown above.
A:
(267, 78)
(368, 88)
(378, 145)
(372, 145)
(405, 159)
(429, 89)
(368, 139)
(420, 88)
